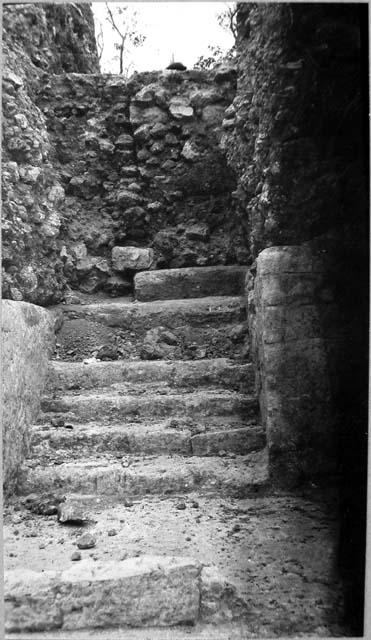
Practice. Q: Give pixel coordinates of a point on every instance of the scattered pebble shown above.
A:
(76, 555)
(181, 506)
(112, 532)
(195, 504)
(236, 527)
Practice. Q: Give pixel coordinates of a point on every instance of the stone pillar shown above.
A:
(27, 339)
(293, 328)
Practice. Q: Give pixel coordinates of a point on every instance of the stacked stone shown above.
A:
(31, 199)
(95, 162)
(32, 193)
(141, 167)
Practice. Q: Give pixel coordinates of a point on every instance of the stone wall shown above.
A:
(140, 165)
(296, 132)
(297, 136)
(37, 40)
(27, 343)
(92, 161)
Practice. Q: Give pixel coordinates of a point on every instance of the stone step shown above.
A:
(110, 407)
(55, 444)
(193, 373)
(167, 330)
(241, 476)
(189, 282)
(142, 316)
(234, 630)
(137, 592)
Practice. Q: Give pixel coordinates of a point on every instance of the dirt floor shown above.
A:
(280, 550)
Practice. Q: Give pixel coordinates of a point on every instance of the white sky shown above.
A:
(184, 29)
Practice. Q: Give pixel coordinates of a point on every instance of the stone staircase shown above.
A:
(151, 449)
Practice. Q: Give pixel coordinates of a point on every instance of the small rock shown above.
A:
(236, 527)
(128, 503)
(76, 555)
(42, 546)
(107, 352)
(112, 532)
(45, 505)
(72, 513)
(194, 504)
(133, 258)
(57, 422)
(181, 506)
(86, 541)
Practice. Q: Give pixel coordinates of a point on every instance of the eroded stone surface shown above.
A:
(106, 594)
(27, 343)
(189, 283)
(131, 258)
(291, 299)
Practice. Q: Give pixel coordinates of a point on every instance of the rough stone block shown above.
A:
(180, 109)
(189, 282)
(147, 591)
(134, 258)
(27, 340)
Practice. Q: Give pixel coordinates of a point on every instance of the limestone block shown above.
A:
(144, 97)
(137, 592)
(180, 109)
(124, 141)
(128, 198)
(189, 282)
(135, 258)
(149, 591)
(151, 115)
(293, 330)
(213, 114)
(142, 133)
(27, 339)
(202, 97)
(190, 151)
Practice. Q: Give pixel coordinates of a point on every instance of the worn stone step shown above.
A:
(51, 444)
(241, 476)
(167, 330)
(88, 406)
(142, 316)
(234, 630)
(137, 592)
(189, 282)
(193, 373)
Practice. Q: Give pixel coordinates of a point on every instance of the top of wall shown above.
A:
(57, 38)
